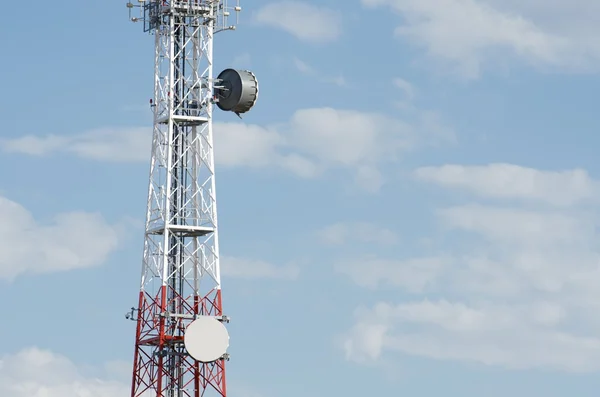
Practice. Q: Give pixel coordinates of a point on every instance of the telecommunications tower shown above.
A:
(181, 340)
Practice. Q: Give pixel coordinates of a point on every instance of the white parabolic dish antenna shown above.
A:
(206, 339)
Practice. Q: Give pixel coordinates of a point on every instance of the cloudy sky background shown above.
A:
(411, 208)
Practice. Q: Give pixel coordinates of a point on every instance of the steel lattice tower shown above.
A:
(181, 279)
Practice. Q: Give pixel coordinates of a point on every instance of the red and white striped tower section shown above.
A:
(181, 340)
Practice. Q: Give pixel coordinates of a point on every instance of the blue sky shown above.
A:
(410, 208)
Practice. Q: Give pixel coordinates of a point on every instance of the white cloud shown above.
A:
(513, 336)
(107, 144)
(318, 139)
(347, 138)
(34, 372)
(364, 342)
(72, 240)
(298, 164)
(533, 252)
(238, 144)
(255, 269)
(468, 33)
(310, 143)
(509, 181)
(302, 20)
(506, 283)
(352, 232)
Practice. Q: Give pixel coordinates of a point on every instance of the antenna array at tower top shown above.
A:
(154, 13)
